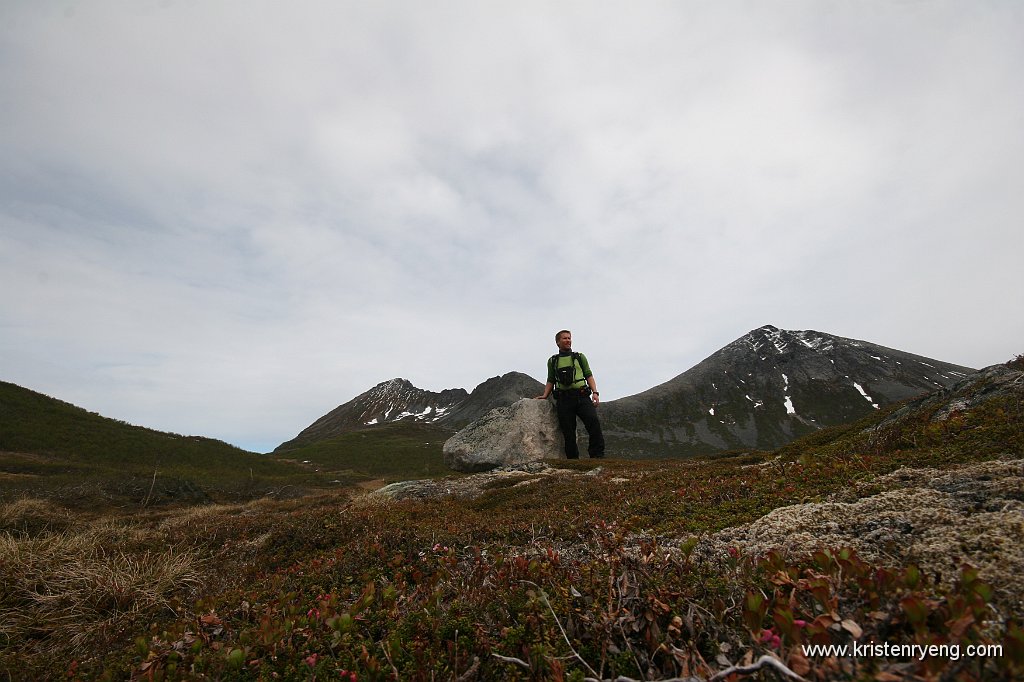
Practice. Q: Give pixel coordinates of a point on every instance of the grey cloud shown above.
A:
(227, 220)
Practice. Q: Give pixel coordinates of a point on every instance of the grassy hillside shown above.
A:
(566, 577)
(49, 447)
(392, 451)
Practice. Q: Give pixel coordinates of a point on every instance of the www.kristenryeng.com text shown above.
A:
(919, 652)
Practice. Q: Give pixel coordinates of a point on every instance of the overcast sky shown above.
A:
(225, 218)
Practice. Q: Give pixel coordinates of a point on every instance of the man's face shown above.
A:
(564, 341)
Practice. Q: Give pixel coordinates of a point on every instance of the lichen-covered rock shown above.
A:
(937, 519)
(526, 431)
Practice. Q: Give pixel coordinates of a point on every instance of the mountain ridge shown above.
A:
(398, 399)
(760, 391)
(767, 388)
(391, 400)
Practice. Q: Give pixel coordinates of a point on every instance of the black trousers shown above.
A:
(572, 404)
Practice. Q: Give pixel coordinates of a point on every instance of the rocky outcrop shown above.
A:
(526, 431)
(968, 393)
(937, 519)
(469, 487)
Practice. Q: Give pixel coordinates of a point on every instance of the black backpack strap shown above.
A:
(553, 368)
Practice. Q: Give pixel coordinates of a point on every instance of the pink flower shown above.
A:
(800, 623)
(311, 660)
(771, 639)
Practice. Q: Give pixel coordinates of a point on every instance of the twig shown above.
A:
(387, 655)
(623, 678)
(561, 629)
(763, 662)
(151, 486)
(632, 652)
(471, 673)
(512, 659)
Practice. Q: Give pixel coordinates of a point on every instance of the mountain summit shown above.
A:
(767, 388)
(388, 401)
(398, 400)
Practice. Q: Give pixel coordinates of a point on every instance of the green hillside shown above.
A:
(391, 451)
(51, 447)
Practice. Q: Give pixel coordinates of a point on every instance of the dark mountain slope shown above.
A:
(499, 391)
(388, 401)
(399, 400)
(767, 388)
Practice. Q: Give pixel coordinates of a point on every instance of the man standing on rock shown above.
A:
(576, 395)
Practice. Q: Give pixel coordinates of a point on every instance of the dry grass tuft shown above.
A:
(31, 516)
(200, 517)
(68, 588)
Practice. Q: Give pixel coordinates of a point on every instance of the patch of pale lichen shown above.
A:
(936, 519)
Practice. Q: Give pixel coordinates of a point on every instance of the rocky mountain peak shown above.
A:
(388, 401)
(768, 387)
(399, 400)
(499, 391)
(391, 387)
(770, 340)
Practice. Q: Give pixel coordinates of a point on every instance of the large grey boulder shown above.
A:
(526, 431)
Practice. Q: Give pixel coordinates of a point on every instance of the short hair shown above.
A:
(563, 331)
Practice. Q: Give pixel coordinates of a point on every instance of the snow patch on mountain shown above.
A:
(788, 402)
(860, 389)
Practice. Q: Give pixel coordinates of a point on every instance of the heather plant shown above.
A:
(607, 606)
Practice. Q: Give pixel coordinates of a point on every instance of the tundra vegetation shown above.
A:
(605, 576)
